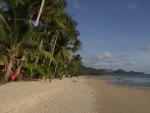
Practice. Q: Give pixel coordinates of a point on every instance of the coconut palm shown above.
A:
(62, 54)
(40, 32)
(39, 14)
(75, 64)
(58, 3)
(13, 28)
(50, 14)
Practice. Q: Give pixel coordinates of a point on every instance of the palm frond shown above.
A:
(45, 54)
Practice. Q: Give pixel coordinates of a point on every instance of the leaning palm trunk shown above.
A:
(10, 64)
(8, 70)
(55, 70)
(11, 60)
(75, 70)
(40, 12)
(41, 44)
(18, 69)
(53, 49)
(37, 58)
(44, 61)
(20, 65)
(66, 74)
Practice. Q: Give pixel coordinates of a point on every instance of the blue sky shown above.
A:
(115, 33)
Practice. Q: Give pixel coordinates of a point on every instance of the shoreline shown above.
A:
(118, 99)
(106, 77)
(126, 85)
(86, 95)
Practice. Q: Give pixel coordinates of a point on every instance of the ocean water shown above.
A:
(133, 82)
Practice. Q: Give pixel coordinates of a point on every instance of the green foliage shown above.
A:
(39, 70)
(45, 54)
(48, 72)
(29, 67)
(42, 71)
(48, 48)
(2, 74)
(4, 57)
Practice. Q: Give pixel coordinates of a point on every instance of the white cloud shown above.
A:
(131, 6)
(132, 63)
(76, 5)
(110, 61)
(115, 7)
(145, 48)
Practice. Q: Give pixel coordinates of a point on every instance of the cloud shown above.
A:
(109, 61)
(131, 6)
(76, 5)
(145, 48)
(115, 7)
(131, 63)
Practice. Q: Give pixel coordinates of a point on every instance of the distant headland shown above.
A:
(119, 72)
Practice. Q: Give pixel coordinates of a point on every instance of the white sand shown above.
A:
(63, 96)
(88, 95)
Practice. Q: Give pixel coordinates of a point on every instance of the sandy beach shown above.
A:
(86, 95)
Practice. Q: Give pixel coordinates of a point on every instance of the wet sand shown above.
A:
(117, 99)
(86, 95)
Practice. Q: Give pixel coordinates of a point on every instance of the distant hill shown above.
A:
(119, 72)
(92, 71)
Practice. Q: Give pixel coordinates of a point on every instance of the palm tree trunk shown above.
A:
(49, 64)
(44, 61)
(11, 60)
(55, 70)
(40, 12)
(75, 71)
(37, 58)
(10, 64)
(53, 49)
(8, 70)
(66, 73)
(20, 65)
(19, 69)
(41, 44)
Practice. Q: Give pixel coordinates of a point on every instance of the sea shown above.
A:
(133, 81)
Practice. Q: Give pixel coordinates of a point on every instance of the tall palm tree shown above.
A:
(12, 29)
(53, 39)
(50, 13)
(39, 14)
(76, 62)
(14, 21)
(59, 3)
(58, 21)
(62, 54)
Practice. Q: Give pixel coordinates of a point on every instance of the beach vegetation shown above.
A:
(38, 39)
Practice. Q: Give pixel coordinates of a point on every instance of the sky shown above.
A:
(115, 33)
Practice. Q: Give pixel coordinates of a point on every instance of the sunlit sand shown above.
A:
(83, 95)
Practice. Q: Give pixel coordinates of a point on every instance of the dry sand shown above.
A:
(88, 95)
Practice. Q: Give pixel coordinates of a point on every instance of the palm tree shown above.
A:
(52, 40)
(62, 54)
(12, 24)
(39, 14)
(58, 22)
(76, 63)
(14, 27)
(50, 13)
(59, 3)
